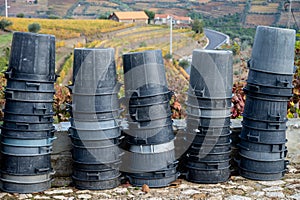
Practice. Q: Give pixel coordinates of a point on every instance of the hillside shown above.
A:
(252, 12)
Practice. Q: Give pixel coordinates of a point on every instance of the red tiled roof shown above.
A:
(131, 15)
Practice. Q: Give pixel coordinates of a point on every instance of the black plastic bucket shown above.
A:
(27, 126)
(87, 166)
(260, 155)
(272, 176)
(235, 135)
(211, 73)
(272, 49)
(95, 143)
(95, 103)
(95, 175)
(149, 136)
(265, 109)
(28, 108)
(252, 146)
(194, 122)
(147, 158)
(95, 134)
(93, 69)
(197, 139)
(144, 74)
(146, 113)
(12, 186)
(167, 172)
(260, 166)
(264, 136)
(97, 184)
(154, 123)
(209, 131)
(29, 96)
(29, 86)
(207, 176)
(202, 102)
(94, 116)
(209, 148)
(211, 157)
(265, 124)
(149, 100)
(27, 134)
(274, 91)
(155, 135)
(208, 165)
(273, 97)
(152, 182)
(112, 89)
(27, 142)
(32, 57)
(94, 125)
(27, 150)
(208, 112)
(257, 77)
(107, 154)
(26, 165)
(10, 116)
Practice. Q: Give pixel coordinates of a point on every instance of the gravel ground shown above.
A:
(237, 188)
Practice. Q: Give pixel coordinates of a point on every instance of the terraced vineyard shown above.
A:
(139, 39)
(68, 28)
(206, 8)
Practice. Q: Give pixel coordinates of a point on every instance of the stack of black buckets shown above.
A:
(269, 86)
(95, 131)
(208, 116)
(149, 140)
(28, 132)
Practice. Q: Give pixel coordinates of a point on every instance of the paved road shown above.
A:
(215, 38)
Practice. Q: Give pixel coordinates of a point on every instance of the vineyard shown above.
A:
(92, 9)
(270, 8)
(68, 28)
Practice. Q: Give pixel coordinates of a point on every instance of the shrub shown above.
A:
(197, 26)
(168, 56)
(34, 27)
(184, 63)
(20, 15)
(4, 23)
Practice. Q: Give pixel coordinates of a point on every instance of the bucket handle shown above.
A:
(9, 72)
(9, 94)
(284, 83)
(249, 63)
(42, 170)
(47, 149)
(172, 164)
(255, 138)
(42, 108)
(20, 124)
(274, 117)
(37, 85)
(272, 124)
(95, 174)
(254, 87)
(52, 139)
(286, 163)
(285, 153)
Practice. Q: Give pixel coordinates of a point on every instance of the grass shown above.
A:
(5, 40)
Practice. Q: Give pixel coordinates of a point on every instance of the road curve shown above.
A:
(215, 40)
